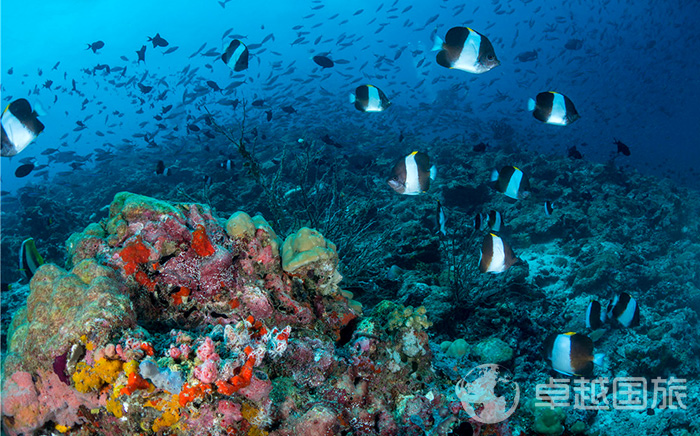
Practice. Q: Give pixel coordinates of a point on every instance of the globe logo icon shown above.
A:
(486, 391)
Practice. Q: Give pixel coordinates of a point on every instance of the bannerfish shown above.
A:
(512, 182)
(553, 108)
(496, 255)
(24, 170)
(624, 309)
(95, 46)
(467, 50)
(162, 170)
(228, 164)
(548, 208)
(441, 219)
(369, 98)
(236, 56)
(622, 147)
(595, 316)
(572, 354)
(492, 220)
(412, 175)
(157, 41)
(29, 258)
(323, 61)
(20, 126)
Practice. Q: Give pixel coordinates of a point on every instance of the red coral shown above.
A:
(134, 255)
(178, 296)
(201, 243)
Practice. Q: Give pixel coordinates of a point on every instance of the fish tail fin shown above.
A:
(494, 175)
(437, 44)
(352, 98)
(89, 46)
(599, 360)
(531, 105)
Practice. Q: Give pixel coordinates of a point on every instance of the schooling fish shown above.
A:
(467, 50)
(622, 148)
(236, 56)
(20, 126)
(573, 153)
(24, 170)
(496, 255)
(412, 175)
(142, 54)
(572, 354)
(162, 170)
(29, 258)
(95, 46)
(553, 108)
(369, 98)
(512, 182)
(157, 41)
(323, 61)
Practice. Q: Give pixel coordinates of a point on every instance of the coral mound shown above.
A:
(172, 321)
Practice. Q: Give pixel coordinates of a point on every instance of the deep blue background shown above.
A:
(635, 78)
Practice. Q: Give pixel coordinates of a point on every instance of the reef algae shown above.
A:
(174, 321)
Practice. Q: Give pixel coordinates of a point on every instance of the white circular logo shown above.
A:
(486, 391)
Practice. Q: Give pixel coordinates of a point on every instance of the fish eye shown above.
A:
(490, 57)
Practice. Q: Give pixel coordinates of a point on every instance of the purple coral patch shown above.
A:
(59, 367)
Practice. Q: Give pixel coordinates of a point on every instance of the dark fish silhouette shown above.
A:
(288, 110)
(95, 46)
(258, 103)
(269, 115)
(24, 170)
(573, 44)
(573, 153)
(527, 56)
(157, 41)
(330, 141)
(622, 147)
(145, 88)
(323, 61)
(142, 54)
(212, 84)
(480, 147)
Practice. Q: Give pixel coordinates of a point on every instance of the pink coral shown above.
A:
(174, 352)
(259, 387)
(207, 350)
(231, 411)
(20, 401)
(206, 372)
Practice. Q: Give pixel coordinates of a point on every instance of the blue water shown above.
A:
(635, 77)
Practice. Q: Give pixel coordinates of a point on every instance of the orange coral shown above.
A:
(134, 254)
(136, 382)
(178, 296)
(201, 243)
(190, 393)
(239, 381)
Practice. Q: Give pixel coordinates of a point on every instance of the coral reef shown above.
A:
(171, 320)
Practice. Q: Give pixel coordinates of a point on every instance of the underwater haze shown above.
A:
(349, 217)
